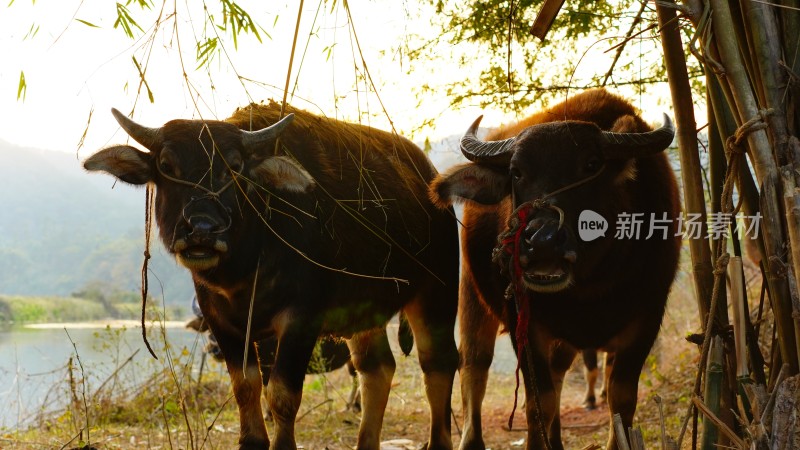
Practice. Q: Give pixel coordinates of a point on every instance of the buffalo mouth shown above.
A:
(198, 257)
(547, 279)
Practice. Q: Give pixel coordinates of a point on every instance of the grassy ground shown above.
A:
(171, 409)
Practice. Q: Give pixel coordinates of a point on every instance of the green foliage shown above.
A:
(26, 309)
(125, 21)
(32, 32)
(52, 309)
(206, 50)
(143, 79)
(88, 24)
(506, 68)
(22, 88)
(237, 21)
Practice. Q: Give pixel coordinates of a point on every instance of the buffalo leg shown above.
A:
(372, 358)
(478, 333)
(623, 386)
(560, 361)
(285, 386)
(541, 398)
(609, 365)
(246, 390)
(354, 400)
(590, 373)
(432, 324)
(266, 359)
(247, 382)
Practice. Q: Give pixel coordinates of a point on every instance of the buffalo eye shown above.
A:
(234, 167)
(166, 168)
(515, 174)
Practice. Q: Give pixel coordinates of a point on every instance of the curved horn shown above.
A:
(492, 152)
(148, 137)
(252, 140)
(633, 145)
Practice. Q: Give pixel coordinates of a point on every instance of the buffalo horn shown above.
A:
(253, 140)
(492, 152)
(146, 136)
(632, 145)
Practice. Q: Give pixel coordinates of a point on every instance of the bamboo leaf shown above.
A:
(150, 95)
(88, 24)
(125, 21)
(22, 89)
(31, 32)
(206, 51)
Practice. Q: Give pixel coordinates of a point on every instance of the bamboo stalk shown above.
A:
(740, 329)
(766, 172)
(694, 202)
(767, 52)
(619, 431)
(718, 167)
(739, 325)
(791, 51)
(713, 393)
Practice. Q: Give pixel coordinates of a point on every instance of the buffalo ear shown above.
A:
(124, 162)
(481, 184)
(284, 174)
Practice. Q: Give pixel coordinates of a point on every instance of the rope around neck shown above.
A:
(506, 254)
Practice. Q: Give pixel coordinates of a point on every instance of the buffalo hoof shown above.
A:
(428, 446)
(253, 444)
(476, 444)
(590, 404)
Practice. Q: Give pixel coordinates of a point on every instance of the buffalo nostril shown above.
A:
(570, 256)
(201, 226)
(546, 235)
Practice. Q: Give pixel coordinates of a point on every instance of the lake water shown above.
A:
(34, 373)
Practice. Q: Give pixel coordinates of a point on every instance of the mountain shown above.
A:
(62, 228)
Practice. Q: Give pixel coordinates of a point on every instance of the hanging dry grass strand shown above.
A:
(148, 225)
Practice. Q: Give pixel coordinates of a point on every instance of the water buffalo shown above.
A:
(526, 187)
(307, 226)
(329, 354)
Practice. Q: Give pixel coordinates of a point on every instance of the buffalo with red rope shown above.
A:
(549, 252)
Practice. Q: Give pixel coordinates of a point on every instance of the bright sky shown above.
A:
(71, 68)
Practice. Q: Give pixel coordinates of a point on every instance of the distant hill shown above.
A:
(62, 228)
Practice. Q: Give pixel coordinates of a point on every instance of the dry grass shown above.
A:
(171, 410)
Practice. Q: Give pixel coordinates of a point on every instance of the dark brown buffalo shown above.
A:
(328, 227)
(592, 152)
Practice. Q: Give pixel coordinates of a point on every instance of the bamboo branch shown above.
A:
(736, 440)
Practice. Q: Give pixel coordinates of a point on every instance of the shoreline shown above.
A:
(100, 324)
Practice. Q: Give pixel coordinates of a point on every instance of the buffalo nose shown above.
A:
(544, 240)
(202, 225)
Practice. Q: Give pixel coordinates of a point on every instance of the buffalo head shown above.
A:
(550, 173)
(203, 172)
